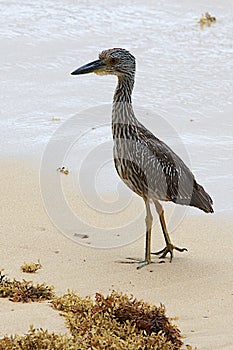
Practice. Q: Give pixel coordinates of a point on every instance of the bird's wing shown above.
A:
(167, 174)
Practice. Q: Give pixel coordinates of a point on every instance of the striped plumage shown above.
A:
(146, 164)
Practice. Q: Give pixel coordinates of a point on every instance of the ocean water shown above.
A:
(183, 89)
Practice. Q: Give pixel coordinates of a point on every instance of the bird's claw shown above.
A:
(141, 263)
(169, 249)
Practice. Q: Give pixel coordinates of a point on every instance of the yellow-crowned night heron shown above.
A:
(146, 164)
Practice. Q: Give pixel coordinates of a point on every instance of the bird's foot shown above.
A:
(169, 249)
(141, 263)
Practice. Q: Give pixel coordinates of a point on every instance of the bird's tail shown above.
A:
(201, 199)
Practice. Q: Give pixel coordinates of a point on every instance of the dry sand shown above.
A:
(196, 287)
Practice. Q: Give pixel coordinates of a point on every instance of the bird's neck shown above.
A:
(124, 89)
(122, 110)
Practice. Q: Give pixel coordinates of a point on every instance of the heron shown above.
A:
(147, 165)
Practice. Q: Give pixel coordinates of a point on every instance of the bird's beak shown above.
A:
(92, 67)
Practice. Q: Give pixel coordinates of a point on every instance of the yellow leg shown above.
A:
(149, 220)
(169, 246)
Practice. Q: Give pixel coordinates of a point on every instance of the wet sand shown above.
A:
(196, 287)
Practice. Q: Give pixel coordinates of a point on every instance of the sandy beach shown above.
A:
(50, 119)
(196, 287)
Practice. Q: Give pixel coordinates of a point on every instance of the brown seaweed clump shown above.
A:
(117, 322)
(31, 267)
(37, 339)
(206, 20)
(24, 291)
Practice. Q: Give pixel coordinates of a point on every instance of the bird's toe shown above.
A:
(169, 249)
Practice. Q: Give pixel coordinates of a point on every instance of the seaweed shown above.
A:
(31, 267)
(206, 20)
(117, 322)
(114, 322)
(24, 291)
(37, 339)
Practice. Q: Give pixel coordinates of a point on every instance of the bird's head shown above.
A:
(113, 61)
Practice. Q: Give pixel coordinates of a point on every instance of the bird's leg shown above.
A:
(169, 246)
(147, 261)
(149, 220)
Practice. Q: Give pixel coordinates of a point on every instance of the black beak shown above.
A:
(89, 67)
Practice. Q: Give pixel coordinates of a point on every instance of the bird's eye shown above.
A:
(113, 60)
